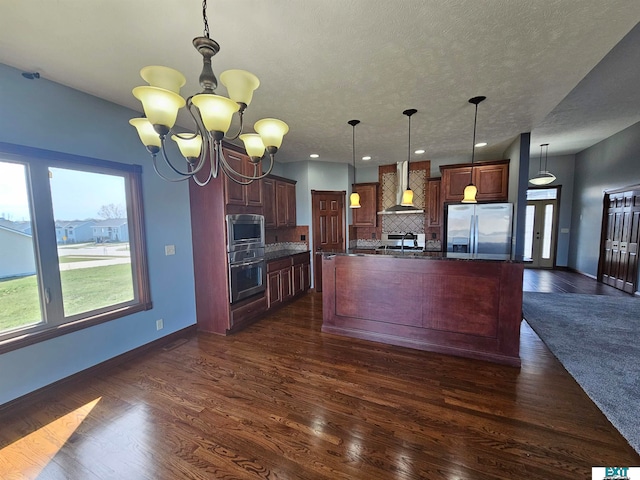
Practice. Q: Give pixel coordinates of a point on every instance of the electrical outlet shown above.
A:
(373, 235)
(169, 250)
(159, 324)
(303, 238)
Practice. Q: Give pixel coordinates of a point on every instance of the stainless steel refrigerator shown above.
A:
(479, 228)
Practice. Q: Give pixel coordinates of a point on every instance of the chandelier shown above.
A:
(212, 115)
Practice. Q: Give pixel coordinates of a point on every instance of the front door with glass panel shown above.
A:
(540, 228)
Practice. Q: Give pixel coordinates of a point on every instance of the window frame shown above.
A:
(37, 161)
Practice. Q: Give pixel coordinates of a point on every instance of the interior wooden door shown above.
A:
(621, 230)
(328, 220)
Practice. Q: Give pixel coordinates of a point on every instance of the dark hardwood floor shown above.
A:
(281, 400)
(564, 281)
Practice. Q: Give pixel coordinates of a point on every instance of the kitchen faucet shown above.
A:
(408, 235)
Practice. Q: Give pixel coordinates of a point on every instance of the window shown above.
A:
(72, 248)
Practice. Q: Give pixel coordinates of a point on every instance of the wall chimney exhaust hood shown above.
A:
(401, 176)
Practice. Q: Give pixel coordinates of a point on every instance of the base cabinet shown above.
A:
(468, 308)
(287, 278)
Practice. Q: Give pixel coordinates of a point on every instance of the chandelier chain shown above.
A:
(204, 18)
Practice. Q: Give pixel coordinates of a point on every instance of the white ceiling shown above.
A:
(322, 63)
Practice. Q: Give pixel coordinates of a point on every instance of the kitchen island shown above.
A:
(454, 303)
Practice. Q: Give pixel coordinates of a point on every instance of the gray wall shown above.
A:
(612, 163)
(563, 168)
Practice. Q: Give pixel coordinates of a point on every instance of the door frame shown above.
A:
(317, 268)
(603, 238)
(555, 223)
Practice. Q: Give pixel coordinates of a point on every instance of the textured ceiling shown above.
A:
(322, 63)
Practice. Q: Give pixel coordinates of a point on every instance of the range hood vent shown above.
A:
(401, 176)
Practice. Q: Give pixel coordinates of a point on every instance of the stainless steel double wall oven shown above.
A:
(245, 248)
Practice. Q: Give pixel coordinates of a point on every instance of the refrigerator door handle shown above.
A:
(476, 228)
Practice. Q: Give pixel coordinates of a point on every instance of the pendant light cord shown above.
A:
(473, 145)
(353, 124)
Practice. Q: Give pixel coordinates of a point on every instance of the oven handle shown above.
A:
(244, 264)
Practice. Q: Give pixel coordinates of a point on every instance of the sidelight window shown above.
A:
(71, 244)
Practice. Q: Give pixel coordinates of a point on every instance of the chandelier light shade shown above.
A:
(544, 177)
(213, 115)
(407, 195)
(354, 198)
(470, 191)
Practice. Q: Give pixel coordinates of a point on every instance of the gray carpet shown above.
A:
(597, 339)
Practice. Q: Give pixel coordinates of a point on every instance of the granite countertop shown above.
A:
(426, 255)
(275, 255)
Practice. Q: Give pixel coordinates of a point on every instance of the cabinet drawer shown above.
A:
(299, 258)
(278, 264)
(248, 311)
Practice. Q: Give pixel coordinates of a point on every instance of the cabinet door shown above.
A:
(242, 195)
(234, 193)
(298, 284)
(306, 277)
(269, 202)
(274, 289)
(454, 181)
(367, 214)
(253, 191)
(492, 182)
(433, 203)
(291, 204)
(281, 204)
(286, 278)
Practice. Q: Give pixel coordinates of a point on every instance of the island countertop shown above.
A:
(425, 255)
(467, 306)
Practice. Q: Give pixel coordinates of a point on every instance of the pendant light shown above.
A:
(354, 198)
(544, 177)
(407, 196)
(470, 190)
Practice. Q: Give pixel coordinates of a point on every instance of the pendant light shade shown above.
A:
(354, 198)
(544, 177)
(407, 196)
(471, 190)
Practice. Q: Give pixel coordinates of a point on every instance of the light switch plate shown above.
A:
(169, 249)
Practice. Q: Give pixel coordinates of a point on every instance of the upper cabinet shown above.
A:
(491, 179)
(367, 214)
(279, 199)
(235, 193)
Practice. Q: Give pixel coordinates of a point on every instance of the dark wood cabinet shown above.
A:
(367, 214)
(287, 277)
(269, 203)
(242, 195)
(279, 199)
(471, 308)
(300, 271)
(491, 179)
(434, 203)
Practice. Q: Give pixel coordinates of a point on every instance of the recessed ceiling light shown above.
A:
(481, 144)
(367, 157)
(419, 152)
(314, 155)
